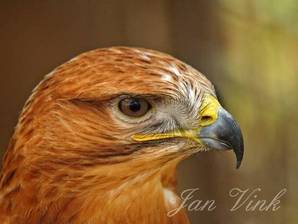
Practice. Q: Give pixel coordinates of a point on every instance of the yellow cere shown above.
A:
(208, 110)
(208, 115)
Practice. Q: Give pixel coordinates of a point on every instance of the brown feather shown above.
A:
(70, 161)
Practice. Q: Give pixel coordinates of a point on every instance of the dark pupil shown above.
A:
(134, 105)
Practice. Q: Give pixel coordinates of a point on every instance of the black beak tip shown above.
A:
(239, 150)
(226, 134)
(238, 164)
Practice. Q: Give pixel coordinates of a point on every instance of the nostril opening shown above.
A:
(206, 118)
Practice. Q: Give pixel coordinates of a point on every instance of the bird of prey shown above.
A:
(99, 139)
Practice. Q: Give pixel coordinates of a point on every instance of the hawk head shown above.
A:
(108, 116)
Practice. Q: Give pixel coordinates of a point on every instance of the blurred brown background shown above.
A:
(248, 48)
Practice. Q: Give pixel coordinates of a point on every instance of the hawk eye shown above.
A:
(134, 107)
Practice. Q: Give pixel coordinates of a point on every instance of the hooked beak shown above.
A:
(223, 134)
(217, 129)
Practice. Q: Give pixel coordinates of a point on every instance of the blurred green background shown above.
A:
(248, 48)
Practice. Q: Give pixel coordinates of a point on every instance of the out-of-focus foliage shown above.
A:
(273, 12)
(260, 60)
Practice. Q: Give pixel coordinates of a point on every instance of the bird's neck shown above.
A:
(145, 198)
(137, 200)
(104, 195)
